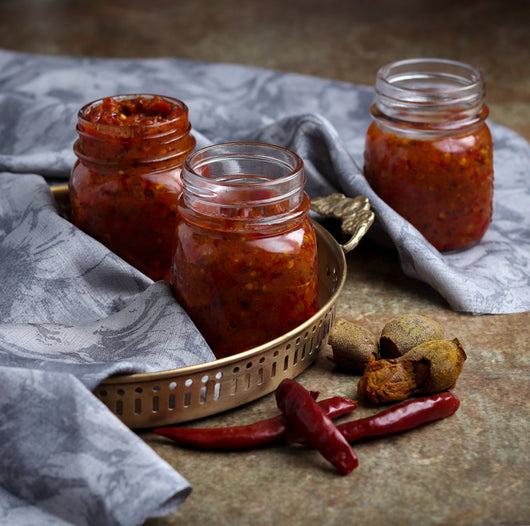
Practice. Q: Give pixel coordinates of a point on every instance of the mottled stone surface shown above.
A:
(471, 469)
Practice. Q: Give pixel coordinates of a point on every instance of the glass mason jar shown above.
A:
(429, 152)
(125, 183)
(245, 260)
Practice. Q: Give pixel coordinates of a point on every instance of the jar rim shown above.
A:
(429, 80)
(102, 127)
(432, 94)
(254, 185)
(194, 171)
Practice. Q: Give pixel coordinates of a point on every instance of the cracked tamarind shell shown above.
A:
(445, 361)
(431, 367)
(403, 333)
(353, 346)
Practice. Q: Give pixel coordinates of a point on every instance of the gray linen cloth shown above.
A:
(72, 313)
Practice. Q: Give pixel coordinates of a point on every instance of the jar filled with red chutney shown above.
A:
(126, 182)
(429, 151)
(245, 260)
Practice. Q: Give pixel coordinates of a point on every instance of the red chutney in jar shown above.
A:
(125, 185)
(133, 111)
(444, 187)
(429, 152)
(245, 263)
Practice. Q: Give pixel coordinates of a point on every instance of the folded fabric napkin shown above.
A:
(72, 313)
(324, 121)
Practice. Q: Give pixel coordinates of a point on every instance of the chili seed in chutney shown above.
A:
(125, 183)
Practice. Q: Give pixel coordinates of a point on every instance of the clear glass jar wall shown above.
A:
(126, 182)
(429, 151)
(245, 263)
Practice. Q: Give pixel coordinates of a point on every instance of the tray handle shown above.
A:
(354, 213)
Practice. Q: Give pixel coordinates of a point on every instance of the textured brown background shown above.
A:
(470, 469)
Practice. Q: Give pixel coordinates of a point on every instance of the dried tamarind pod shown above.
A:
(431, 367)
(352, 345)
(403, 333)
(445, 359)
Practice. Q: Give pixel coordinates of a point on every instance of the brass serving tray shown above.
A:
(146, 400)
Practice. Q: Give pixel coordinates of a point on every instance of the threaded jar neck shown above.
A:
(250, 185)
(133, 129)
(430, 96)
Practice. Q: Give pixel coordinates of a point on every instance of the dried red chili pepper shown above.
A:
(309, 419)
(402, 417)
(251, 435)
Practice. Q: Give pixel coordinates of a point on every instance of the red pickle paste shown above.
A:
(126, 182)
(245, 264)
(429, 151)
